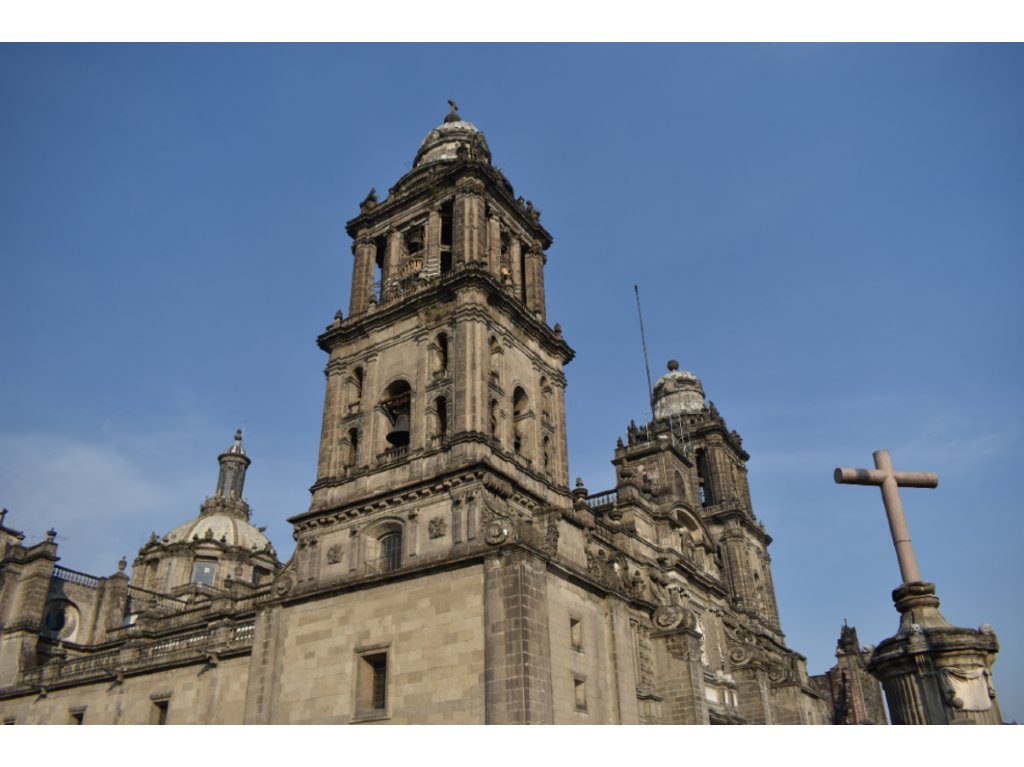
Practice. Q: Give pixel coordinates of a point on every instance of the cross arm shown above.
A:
(877, 477)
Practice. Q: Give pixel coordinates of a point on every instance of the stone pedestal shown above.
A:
(934, 672)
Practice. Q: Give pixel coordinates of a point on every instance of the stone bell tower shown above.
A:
(446, 363)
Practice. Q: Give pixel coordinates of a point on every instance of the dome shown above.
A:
(219, 527)
(678, 392)
(454, 139)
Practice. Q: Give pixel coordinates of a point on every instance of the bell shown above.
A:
(399, 434)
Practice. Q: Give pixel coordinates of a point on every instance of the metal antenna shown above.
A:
(643, 340)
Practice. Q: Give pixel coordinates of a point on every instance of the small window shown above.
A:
(203, 572)
(580, 689)
(258, 575)
(160, 708)
(372, 684)
(77, 716)
(576, 634)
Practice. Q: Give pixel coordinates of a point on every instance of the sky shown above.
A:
(829, 236)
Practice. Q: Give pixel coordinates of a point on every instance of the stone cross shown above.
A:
(890, 482)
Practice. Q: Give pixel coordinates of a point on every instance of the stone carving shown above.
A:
(370, 202)
(334, 554)
(645, 656)
(679, 647)
(668, 617)
(284, 584)
(437, 527)
(500, 487)
(551, 535)
(967, 689)
(496, 532)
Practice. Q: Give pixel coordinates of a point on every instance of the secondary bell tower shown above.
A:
(445, 381)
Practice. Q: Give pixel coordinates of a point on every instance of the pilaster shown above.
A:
(517, 641)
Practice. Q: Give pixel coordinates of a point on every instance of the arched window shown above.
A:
(546, 453)
(545, 393)
(395, 406)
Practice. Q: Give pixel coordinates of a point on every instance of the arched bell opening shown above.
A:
(521, 423)
(395, 407)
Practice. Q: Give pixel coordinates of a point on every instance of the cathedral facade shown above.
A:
(446, 571)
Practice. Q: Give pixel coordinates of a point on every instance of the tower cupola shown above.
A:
(454, 139)
(233, 463)
(678, 392)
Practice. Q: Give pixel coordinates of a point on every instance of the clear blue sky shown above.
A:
(830, 236)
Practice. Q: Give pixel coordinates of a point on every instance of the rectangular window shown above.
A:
(203, 572)
(159, 715)
(372, 684)
(580, 689)
(576, 634)
(77, 716)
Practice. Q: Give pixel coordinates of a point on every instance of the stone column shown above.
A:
(362, 275)
(517, 276)
(517, 642)
(393, 259)
(432, 263)
(494, 246)
(418, 403)
(558, 416)
(328, 463)
(539, 299)
(469, 232)
(370, 422)
(736, 562)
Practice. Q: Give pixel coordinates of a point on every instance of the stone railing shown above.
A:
(602, 499)
(394, 455)
(152, 601)
(126, 659)
(73, 576)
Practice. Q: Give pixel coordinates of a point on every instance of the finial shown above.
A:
(453, 115)
(51, 534)
(579, 481)
(238, 435)
(122, 564)
(673, 365)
